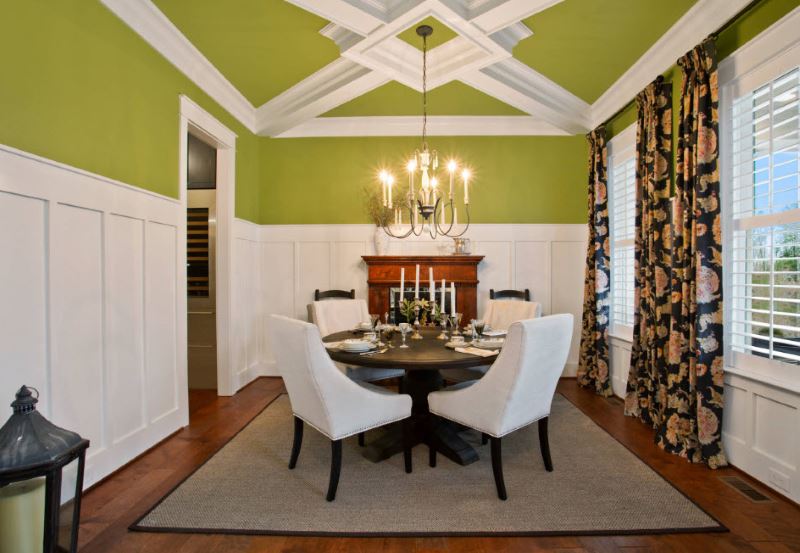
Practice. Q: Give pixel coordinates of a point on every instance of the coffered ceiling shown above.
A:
(354, 67)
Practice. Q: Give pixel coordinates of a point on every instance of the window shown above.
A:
(622, 215)
(764, 246)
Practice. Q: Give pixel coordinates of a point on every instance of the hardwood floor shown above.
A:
(114, 504)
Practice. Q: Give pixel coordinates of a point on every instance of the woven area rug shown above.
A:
(598, 487)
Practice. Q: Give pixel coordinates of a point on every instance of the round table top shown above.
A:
(426, 354)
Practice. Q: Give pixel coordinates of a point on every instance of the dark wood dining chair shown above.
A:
(524, 295)
(334, 294)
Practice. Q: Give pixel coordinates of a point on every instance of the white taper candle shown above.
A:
(452, 299)
(416, 286)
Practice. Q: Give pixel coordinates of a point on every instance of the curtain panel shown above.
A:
(692, 424)
(646, 395)
(594, 361)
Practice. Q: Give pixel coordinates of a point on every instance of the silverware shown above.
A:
(384, 350)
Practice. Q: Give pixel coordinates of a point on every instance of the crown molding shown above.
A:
(157, 30)
(779, 40)
(471, 125)
(702, 19)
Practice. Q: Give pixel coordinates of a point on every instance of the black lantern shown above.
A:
(31, 447)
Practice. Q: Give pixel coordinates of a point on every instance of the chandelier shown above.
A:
(431, 208)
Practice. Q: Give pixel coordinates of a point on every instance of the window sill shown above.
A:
(793, 387)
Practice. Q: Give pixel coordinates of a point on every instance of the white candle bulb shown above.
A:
(465, 175)
(416, 286)
(452, 168)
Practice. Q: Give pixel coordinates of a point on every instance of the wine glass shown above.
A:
(375, 318)
(455, 320)
(443, 320)
(388, 334)
(405, 328)
(479, 325)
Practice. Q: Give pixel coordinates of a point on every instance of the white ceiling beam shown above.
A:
(500, 15)
(157, 30)
(520, 86)
(702, 19)
(342, 13)
(469, 125)
(333, 85)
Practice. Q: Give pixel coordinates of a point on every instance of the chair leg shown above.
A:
(361, 439)
(298, 441)
(407, 445)
(431, 456)
(336, 468)
(497, 468)
(484, 438)
(544, 445)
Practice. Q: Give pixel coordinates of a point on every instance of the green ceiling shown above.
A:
(454, 98)
(266, 46)
(263, 47)
(586, 45)
(441, 34)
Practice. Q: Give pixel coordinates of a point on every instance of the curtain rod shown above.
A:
(714, 35)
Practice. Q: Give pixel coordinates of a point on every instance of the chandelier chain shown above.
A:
(424, 90)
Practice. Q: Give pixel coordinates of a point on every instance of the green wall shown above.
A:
(80, 87)
(538, 179)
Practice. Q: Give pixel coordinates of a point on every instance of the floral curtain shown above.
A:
(593, 364)
(692, 424)
(647, 382)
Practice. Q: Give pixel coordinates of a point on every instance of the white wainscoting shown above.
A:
(761, 426)
(547, 259)
(93, 305)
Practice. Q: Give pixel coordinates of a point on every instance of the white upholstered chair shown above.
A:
(517, 390)
(499, 315)
(345, 314)
(325, 398)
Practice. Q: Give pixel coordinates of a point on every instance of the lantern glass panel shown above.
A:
(69, 476)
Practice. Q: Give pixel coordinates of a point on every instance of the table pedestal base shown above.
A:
(425, 428)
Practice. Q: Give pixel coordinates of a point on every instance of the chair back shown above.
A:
(311, 378)
(524, 295)
(501, 314)
(520, 385)
(336, 316)
(334, 294)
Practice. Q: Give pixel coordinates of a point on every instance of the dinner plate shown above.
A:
(356, 346)
(488, 344)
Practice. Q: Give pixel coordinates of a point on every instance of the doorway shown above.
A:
(201, 249)
(204, 328)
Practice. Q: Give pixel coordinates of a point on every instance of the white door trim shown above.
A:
(215, 133)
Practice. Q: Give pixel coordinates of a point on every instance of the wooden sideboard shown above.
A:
(384, 274)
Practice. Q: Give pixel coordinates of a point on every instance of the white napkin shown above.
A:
(478, 351)
(497, 332)
(332, 345)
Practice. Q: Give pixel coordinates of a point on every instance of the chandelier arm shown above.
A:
(466, 227)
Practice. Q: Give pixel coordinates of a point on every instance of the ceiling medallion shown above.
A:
(431, 208)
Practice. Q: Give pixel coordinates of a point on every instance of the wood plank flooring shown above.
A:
(111, 506)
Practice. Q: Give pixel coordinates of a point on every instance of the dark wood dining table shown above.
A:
(425, 363)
